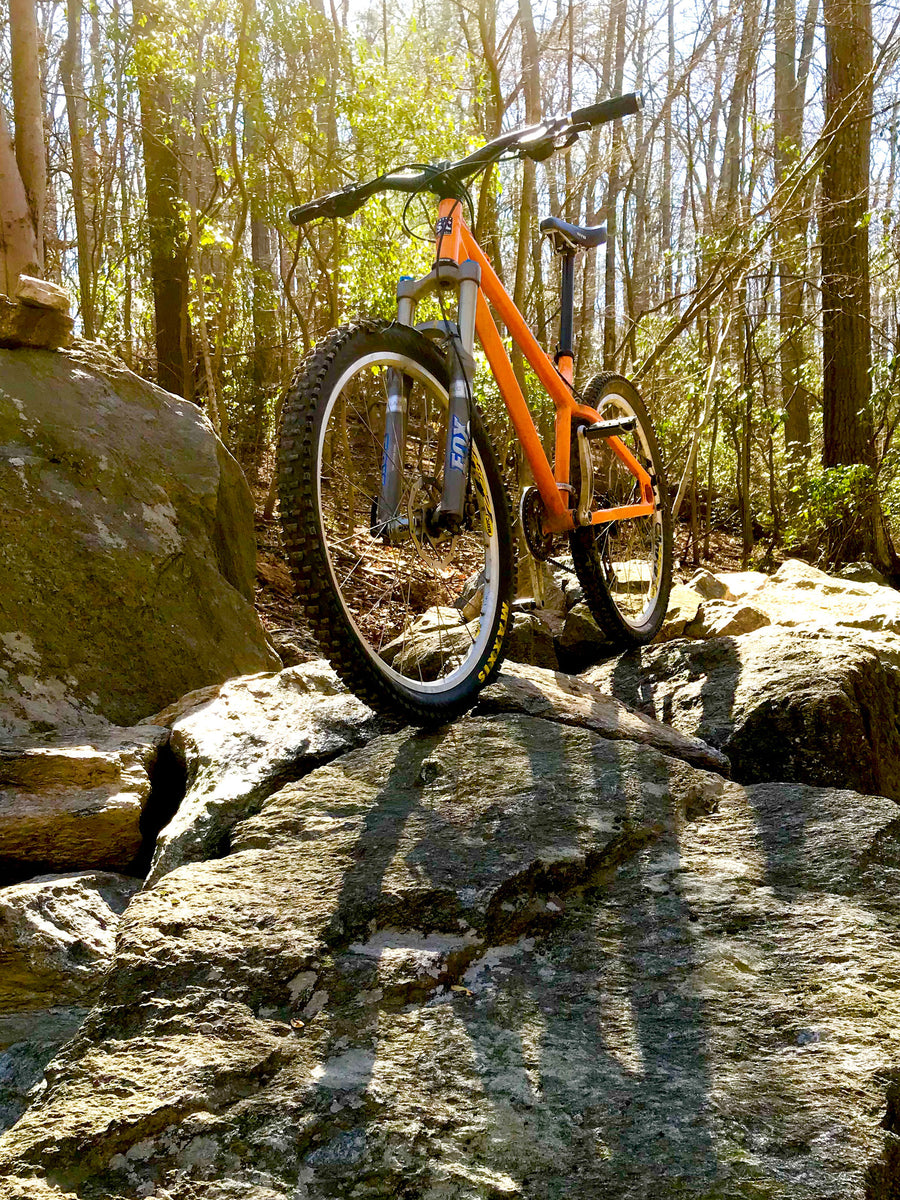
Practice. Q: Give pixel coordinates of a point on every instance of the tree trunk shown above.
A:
(788, 129)
(73, 83)
(264, 299)
(846, 332)
(28, 111)
(166, 227)
(846, 336)
(666, 198)
(612, 200)
(527, 213)
(18, 242)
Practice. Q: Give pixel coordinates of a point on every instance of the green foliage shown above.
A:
(830, 506)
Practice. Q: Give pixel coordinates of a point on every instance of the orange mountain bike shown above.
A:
(393, 508)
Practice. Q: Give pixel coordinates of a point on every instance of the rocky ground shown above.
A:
(623, 934)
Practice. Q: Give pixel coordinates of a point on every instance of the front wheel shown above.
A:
(625, 567)
(414, 618)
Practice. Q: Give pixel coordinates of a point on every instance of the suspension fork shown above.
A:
(393, 451)
(466, 277)
(458, 449)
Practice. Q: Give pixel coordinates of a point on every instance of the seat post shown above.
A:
(565, 348)
(567, 239)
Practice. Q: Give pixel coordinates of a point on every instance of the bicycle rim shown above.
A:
(422, 607)
(628, 554)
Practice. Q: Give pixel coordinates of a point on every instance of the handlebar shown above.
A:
(607, 110)
(535, 141)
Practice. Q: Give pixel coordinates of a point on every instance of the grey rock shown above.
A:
(432, 983)
(531, 641)
(709, 586)
(742, 583)
(684, 605)
(573, 701)
(261, 979)
(803, 597)
(582, 641)
(57, 936)
(862, 572)
(76, 799)
(783, 704)
(567, 581)
(242, 740)
(725, 618)
(24, 324)
(128, 553)
(288, 649)
(42, 294)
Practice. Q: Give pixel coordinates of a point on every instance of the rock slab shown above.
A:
(416, 972)
(783, 704)
(77, 799)
(57, 935)
(242, 740)
(259, 1000)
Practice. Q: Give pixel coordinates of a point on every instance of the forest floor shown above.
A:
(283, 617)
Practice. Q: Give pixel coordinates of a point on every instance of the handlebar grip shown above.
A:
(309, 212)
(336, 204)
(608, 110)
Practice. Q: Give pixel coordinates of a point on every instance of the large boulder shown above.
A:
(416, 973)
(801, 596)
(127, 557)
(252, 1028)
(783, 704)
(245, 739)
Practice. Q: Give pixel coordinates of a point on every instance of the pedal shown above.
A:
(611, 428)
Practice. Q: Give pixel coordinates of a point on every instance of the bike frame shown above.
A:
(456, 243)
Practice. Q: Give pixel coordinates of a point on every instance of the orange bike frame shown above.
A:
(553, 483)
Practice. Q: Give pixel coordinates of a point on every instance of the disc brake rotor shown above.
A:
(424, 496)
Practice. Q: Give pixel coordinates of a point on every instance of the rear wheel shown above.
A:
(414, 618)
(624, 567)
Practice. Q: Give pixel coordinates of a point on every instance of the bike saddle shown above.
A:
(581, 237)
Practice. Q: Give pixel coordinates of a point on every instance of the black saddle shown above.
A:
(579, 237)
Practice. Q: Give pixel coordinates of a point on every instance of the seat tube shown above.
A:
(462, 377)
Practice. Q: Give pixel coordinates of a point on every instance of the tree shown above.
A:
(164, 198)
(790, 88)
(23, 169)
(72, 73)
(843, 217)
(18, 244)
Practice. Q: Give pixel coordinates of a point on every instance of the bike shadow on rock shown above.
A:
(622, 1062)
(578, 1070)
(765, 897)
(705, 701)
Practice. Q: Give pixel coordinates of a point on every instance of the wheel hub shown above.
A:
(431, 539)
